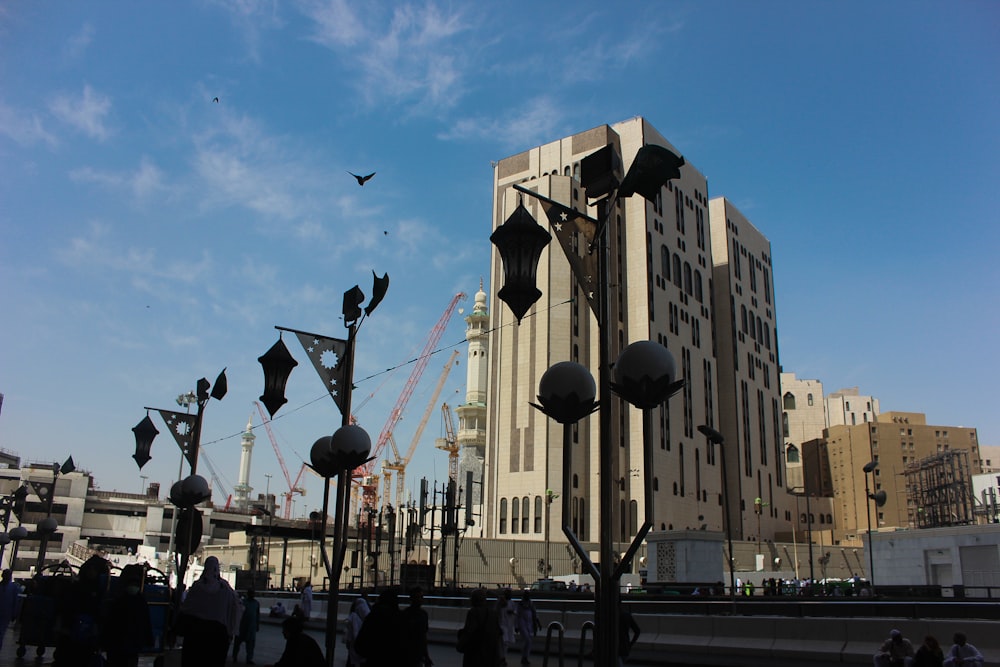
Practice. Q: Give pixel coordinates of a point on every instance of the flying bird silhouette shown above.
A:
(216, 100)
(362, 179)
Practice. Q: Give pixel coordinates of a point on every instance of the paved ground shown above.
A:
(270, 644)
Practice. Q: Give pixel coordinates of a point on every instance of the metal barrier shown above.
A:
(587, 625)
(554, 625)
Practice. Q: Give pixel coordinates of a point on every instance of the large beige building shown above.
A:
(662, 268)
(896, 440)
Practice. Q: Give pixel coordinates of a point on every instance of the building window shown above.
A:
(809, 399)
(514, 515)
(503, 516)
(525, 515)
(792, 454)
(538, 514)
(788, 401)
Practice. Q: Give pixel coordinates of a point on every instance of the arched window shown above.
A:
(802, 518)
(788, 401)
(525, 515)
(784, 424)
(665, 262)
(792, 454)
(576, 518)
(633, 517)
(829, 518)
(697, 287)
(743, 317)
(515, 524)
(503, 516)
(688, 282)
(538, 514)
(809, 399)
(760, 330)
(767, 335)
(677, 270)
(583, 521)
(576, 481)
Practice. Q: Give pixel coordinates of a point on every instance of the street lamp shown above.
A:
(185, 493)
(716, 438)
(879, 499)
(46, 492)
(519, 242)
(337, 455)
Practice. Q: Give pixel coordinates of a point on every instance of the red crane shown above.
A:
(369, 480)
(293, 487)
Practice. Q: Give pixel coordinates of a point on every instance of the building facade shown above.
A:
(662, 271)
(897, 441)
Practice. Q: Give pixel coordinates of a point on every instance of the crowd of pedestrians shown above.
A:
(898, 651)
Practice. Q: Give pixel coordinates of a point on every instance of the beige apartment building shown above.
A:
(663, 265)
(898, 441)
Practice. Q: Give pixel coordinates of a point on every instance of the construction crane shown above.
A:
(398, 464)
(369, 480)
(215, 478)
(449, 442)
(293, 487)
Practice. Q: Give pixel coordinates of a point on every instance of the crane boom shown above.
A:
(449, 442)
(369, 481)
(399, 463)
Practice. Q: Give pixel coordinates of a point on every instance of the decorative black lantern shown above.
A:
(644, 375)
(567, 392)
(221, 386)
(277, 363)
(145, 431)
(520, 241)
(652, 167)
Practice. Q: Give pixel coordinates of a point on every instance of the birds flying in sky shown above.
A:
(361, 179)
(216, 100)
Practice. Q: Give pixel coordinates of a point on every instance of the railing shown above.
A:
(554, 625)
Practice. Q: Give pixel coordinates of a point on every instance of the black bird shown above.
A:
(362, 179)
(216, 100)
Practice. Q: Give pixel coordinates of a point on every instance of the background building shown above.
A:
(896, 440)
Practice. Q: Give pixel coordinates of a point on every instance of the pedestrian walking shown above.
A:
(210, 617)
(249, 625)
(378, 641)
(963, 653)
(479, 638)
(507, 616)
(305, 605)
(527, 625)
(127, 629)
(352, 626)
(10, 602)
(415, 626)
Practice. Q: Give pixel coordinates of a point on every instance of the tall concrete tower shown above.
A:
(472, 413)
(243, 488)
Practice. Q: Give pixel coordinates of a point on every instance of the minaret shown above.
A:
(242, 489)
(472, 413)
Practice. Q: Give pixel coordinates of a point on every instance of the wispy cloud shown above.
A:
(97, 250)
(78, 44)
(144, 181)
(86, 112)
(412, 57)
(537, 120)
(23, 127)
(252, 18)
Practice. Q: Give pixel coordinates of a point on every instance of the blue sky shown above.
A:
(149, 236)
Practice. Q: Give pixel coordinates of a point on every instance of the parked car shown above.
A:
(548, 585)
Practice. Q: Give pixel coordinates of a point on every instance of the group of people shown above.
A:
(898, 651)
(383, 635)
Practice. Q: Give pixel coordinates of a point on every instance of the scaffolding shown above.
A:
(939, 490)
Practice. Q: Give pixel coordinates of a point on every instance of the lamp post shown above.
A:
(337, 455)
(879, 499)
(187, 493)
(47, 493)
(520, 241)
(716, 438)
(270, 523)
(550, 495)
